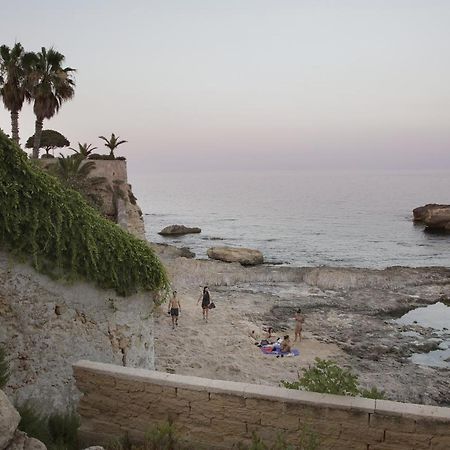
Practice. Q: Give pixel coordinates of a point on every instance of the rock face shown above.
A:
(10, 437)
(435, 217)
(245, 256)
(46, 325)
(178, 230)
(9, 420)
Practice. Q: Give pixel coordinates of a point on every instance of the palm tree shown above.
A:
(15, 66)
(70, 168)
(84, 150)
(74, 172)
(112, 143)
(51, 85)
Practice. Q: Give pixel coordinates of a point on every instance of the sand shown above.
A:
(223, 348)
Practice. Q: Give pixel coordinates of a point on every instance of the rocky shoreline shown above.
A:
(351, 308)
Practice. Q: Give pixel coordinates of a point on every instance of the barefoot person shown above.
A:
(174, 309)
(286, 345)
(206, 300)
(299, 319)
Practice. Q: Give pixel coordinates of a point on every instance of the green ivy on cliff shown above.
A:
(63, 235)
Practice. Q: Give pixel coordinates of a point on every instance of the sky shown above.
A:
(197, 85)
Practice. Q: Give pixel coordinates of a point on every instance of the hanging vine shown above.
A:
(64, 236)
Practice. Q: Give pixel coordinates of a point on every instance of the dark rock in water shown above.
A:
(435, 217)
(421, 212)
(171, 251)
(185, 252)
(178, 230)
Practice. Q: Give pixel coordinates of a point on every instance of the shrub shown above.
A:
(63, 429)
(308, 441)
(373, 393)
(58, 431)
(162, 437)
(33, 423)
(4, 368)
(64, 236)
(97, 156)
(326, 377)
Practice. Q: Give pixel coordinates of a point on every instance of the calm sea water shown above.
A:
(302, 218)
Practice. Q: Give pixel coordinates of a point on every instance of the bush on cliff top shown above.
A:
(63, 235)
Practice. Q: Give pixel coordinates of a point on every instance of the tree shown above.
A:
(112, 143)
(50, 139)
(51, 85)
(84, 150)
(74, 173)
(15, 66)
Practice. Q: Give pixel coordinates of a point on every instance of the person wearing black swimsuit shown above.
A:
(206, 300)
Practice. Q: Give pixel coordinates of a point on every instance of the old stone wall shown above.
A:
(119, 202)
(213, 414)
(45, 326)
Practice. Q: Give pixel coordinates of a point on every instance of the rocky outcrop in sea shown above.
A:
(244, 256)
(179, 230)
(435, 217)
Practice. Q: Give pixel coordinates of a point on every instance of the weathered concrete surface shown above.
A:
(46, 325)
(244, 256)
(212, 414)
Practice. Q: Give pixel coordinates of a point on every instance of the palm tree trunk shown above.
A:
(15, 126)
(37, 138)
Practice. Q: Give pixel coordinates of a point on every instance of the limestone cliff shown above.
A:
(118, 201)
(45, 326)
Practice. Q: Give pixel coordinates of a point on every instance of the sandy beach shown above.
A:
(350, 317)
(223, 348)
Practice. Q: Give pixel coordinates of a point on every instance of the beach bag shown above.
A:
(211, 305)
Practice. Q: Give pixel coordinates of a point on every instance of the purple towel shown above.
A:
(277, 352)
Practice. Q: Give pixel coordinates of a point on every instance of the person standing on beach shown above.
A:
(299, 319)
(205, 298)
(174, 309)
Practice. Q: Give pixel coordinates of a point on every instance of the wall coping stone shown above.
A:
(382, 407)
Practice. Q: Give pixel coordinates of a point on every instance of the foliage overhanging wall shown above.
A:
(63, 235)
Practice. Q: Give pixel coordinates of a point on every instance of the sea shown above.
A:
(300, 218)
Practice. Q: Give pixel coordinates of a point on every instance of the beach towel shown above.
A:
(269, 350)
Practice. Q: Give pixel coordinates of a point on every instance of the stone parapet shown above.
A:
(214, 414)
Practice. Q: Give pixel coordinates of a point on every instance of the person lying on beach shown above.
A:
(255, 335)
(299, 319)
(268, 330)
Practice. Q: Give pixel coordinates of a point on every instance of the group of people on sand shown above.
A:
(174, 310)
(283, 344)
(174, 307)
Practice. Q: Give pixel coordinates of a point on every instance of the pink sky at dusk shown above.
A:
(250, 84)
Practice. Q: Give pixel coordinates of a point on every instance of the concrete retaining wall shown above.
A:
(213, 414)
